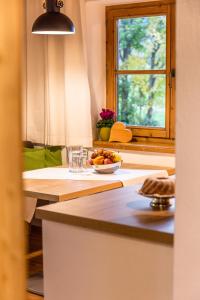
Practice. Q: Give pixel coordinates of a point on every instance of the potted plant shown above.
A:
(105, 124)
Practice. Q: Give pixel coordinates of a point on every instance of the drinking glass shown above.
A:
(75, 158)
(85, 158)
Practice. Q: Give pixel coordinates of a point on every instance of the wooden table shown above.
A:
(61, 190)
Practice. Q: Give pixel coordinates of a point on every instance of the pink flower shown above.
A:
(107, 114)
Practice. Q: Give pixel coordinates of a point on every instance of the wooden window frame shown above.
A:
(113, 13)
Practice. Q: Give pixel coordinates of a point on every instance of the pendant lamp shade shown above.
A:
(53, 21)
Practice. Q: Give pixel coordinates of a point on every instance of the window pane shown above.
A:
(142, 43)
(141, 100)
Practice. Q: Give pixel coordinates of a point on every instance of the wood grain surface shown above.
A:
(119, 133)
(12, 241)
(144, 146)
(60, 190)
(120, 211)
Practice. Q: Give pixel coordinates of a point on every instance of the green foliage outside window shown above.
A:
(142, 46)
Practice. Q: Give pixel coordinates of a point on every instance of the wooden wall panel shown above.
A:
(12, 270)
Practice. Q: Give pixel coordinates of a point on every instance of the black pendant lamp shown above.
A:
(53, 21)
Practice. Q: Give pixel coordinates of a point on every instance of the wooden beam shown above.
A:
(12, 258)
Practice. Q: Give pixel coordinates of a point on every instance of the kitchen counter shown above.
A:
(121, 211)
(109, 246)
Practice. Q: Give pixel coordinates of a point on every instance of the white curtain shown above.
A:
(57, 102)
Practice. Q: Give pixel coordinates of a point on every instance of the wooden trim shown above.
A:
(155, 140)
(141, 72)
(173, 67)
(141, 9)
(149, 132)
(138, 146)
(110, 92)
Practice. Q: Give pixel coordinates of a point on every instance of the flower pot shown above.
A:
(104, 133)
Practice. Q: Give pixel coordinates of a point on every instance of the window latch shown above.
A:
(172, 75)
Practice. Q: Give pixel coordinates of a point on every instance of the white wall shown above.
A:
(149, 158)
(96, 41)
(95, 18)
(187, 238)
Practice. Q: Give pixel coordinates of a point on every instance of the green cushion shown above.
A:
(34, 159)
(53, 158)
(37, 158)
(54, 148)
(32, 149)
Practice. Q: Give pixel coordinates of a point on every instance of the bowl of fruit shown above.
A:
(105, 161)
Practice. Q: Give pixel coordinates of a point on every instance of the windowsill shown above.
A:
(138, 146)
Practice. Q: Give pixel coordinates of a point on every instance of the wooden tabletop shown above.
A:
(60, 190)
(120, 211)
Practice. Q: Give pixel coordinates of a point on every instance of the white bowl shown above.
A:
(107, 169)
